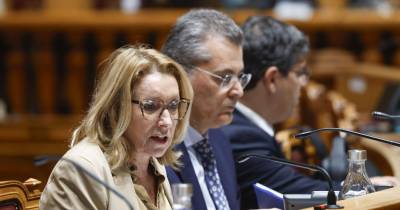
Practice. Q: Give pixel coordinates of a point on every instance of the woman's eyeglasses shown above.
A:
(153, 108)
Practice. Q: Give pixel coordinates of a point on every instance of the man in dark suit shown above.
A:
(208, 44)
(275, 54)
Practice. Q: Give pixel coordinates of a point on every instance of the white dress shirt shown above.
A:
(190, 139)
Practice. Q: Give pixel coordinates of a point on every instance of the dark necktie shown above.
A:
(204, 150)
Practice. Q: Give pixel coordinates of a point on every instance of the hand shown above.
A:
(385, 181)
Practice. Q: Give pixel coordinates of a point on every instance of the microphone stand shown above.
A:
(381, 115)
(307, 133)
(331, 197)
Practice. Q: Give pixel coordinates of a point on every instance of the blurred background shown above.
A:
(50, 51)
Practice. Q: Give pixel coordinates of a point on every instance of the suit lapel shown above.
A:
(187, 175)
(227, 179)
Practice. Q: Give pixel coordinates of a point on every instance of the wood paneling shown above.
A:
(382, 200)
(25, 138)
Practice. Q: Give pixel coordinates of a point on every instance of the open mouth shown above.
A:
(159, 139)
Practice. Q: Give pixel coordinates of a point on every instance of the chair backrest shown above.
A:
(318, 108)
(17, 195)
(12, 204)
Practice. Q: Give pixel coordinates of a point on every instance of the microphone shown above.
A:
(331, 197)
(41, 160)
(384, 116)
(307, 133)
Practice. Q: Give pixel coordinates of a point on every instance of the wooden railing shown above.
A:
(48, 60)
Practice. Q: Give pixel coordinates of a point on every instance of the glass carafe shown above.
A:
(182, 195)
(357, 182)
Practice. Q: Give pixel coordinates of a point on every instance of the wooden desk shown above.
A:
(384, 154)
(386, 200)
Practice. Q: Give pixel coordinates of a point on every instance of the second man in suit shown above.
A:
(275, 54)
(208, 44)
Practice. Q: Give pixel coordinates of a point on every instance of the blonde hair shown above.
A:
(110, 112)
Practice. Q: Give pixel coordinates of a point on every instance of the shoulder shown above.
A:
(73, 181)
(84, 156)
(80, 164)
(244, 137)
(240, 132)
(86, 150)
(241, 126)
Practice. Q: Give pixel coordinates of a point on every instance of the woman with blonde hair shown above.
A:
(139, 111)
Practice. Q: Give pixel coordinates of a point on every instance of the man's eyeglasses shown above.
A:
(228, 80)
(153, 108)
(303, 75)
(305, 71)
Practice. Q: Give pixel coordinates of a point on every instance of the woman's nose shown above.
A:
(165, 119)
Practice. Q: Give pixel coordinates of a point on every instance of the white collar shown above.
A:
(192, 137)
(255, 118)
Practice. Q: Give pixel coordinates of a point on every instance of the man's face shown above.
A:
(213, 105)
(288, 89)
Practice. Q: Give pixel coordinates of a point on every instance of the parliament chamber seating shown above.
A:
(15, 195)
(331, 102)
(49, 60)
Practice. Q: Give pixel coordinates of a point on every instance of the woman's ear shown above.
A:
(270, 78)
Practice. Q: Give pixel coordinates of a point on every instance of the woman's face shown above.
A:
(152, 126)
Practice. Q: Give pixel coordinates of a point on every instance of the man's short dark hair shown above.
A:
(185, 42)
(269, 42)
